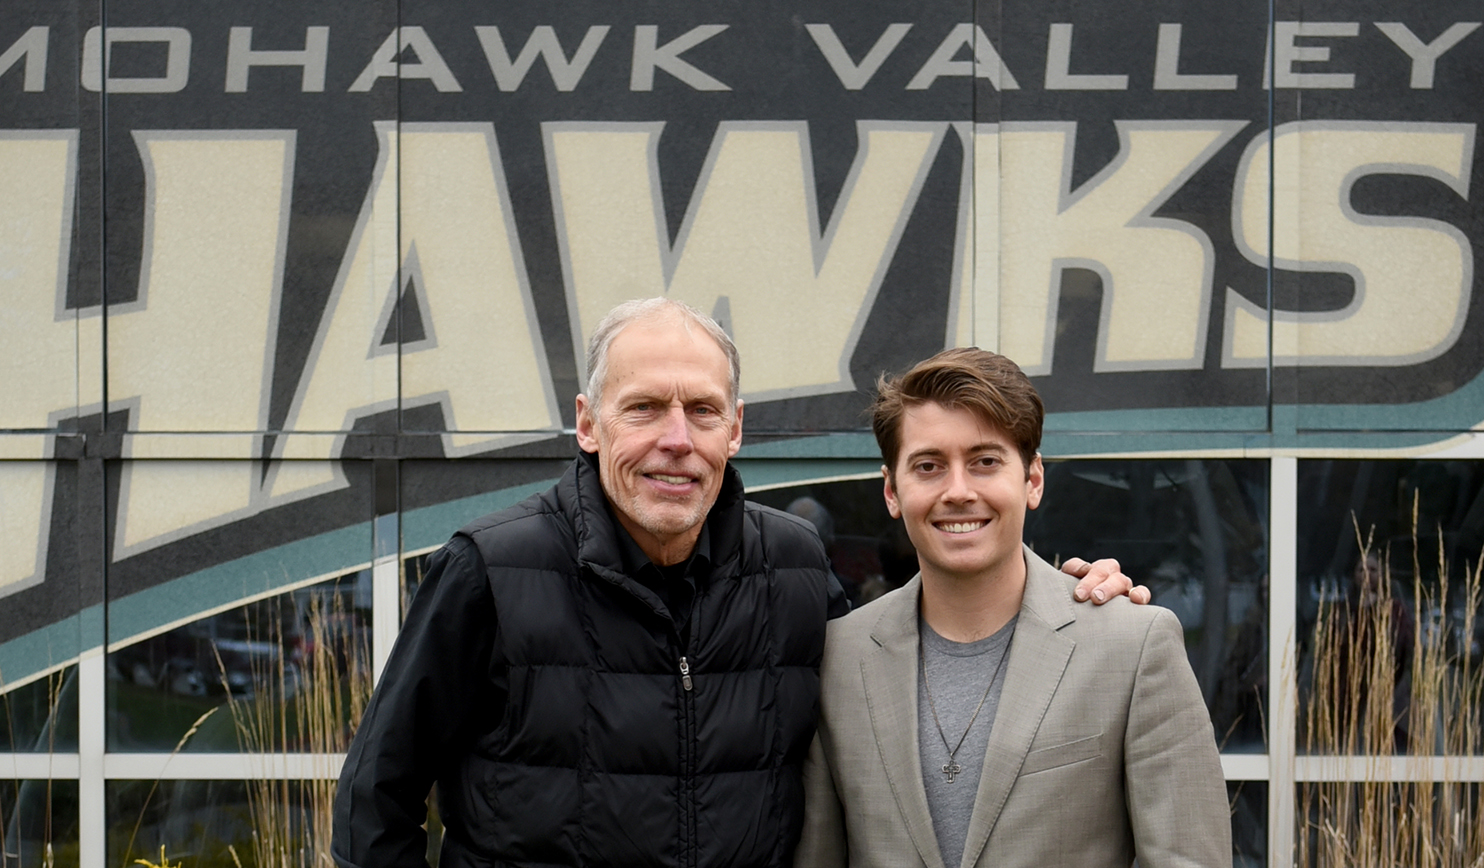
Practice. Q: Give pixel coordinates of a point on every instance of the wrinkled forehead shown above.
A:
(667, 353)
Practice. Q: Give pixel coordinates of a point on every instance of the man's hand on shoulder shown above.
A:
(1102, 581)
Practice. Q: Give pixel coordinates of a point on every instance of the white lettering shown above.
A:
(194, 352)
(1156, 272)
(488, 367)
(1285, 54)
(756, 193)
(1424, 54)
(40, 336)
(1412, 275)
(241, 57)
(542, 42)
(32, 46)
(25, 519)
(974, 294)
(1167, 74)
(986, 64)
(480, 357)
(1059, 64)
(97, 53)
(51, 352)
(855, 76)
(649, 56)
(384, 63)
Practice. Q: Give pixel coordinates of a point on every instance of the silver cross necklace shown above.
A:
(952, 769)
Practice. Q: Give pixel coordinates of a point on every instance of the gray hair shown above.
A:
(637, 309)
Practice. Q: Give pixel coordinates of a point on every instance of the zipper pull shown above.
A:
(685, 674)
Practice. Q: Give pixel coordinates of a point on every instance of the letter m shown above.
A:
(31, 46)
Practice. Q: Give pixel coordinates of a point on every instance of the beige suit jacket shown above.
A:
(1102, 748)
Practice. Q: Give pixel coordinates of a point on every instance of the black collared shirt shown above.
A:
(676, 584)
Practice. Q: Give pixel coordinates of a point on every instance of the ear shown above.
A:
(890, 493)
(734, 442)
(1035, 481)
(587, 435)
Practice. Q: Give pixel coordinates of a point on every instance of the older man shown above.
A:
(622, 670)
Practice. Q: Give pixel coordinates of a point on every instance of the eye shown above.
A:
(988, 463)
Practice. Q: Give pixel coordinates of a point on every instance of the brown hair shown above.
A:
(984, 383)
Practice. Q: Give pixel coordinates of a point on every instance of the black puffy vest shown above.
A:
(607, 754)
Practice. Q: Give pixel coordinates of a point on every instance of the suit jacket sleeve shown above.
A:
(439, 687)
(822, 844)
(1176, 789)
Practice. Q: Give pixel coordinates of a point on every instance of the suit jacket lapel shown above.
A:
(890, 674)
(1038, 657)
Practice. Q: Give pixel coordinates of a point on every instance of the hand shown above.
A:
(1102, 581)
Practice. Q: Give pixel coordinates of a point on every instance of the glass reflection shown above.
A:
(290, 672)
(1382, 823)
(41, 716)
(1193, 530)
(1388, 606)
(1249, 801)
(223, 824)
(38, 824)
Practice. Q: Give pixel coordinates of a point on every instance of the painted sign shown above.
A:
(256, 259)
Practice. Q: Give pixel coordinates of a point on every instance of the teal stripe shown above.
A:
(1069, 445)
(47, 648)
(759, 474)
(1202, 419)
(327, 554)
(845, 444)
(770, 463)
(431, 526)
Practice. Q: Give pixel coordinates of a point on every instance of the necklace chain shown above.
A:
(952, 768)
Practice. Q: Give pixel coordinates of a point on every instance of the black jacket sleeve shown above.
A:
(838, 604)
(440, 686)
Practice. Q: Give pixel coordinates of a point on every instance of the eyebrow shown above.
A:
(976, 449)
(652, 397)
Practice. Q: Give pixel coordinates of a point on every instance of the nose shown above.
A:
(675, 435)
(958, 489)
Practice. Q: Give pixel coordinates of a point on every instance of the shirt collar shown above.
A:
(638, 565)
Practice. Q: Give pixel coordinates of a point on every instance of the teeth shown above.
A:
(673, 480)
(961, 526)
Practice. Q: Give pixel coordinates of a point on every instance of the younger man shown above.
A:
(978, 716)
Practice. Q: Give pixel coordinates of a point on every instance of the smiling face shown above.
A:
(962, 490)
(664, 432)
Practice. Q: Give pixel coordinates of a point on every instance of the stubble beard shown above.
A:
(660, 518)
(667, 519)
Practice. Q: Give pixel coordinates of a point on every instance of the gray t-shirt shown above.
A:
(959, 674)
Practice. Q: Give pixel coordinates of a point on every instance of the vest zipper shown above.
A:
(691, 848)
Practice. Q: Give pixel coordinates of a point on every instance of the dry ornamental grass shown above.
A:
(1388, 680)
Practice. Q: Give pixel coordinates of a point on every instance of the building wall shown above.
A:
(291, 291)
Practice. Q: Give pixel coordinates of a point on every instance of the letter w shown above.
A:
(751, 251)
(543, 41)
